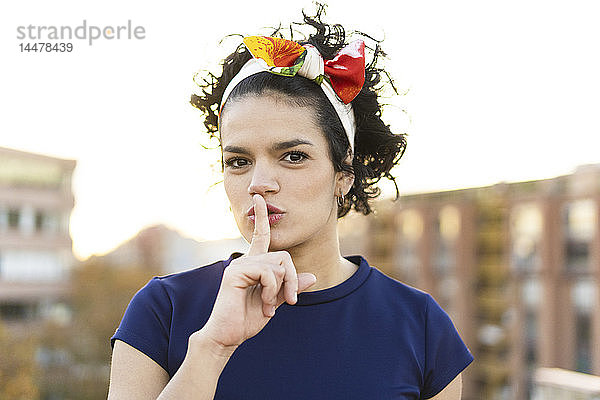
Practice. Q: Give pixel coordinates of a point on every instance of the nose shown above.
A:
(263, 181)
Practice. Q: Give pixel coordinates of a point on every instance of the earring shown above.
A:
(340, 199)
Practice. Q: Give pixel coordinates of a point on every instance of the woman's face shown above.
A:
(274, 148)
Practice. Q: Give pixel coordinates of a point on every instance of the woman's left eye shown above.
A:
(295, 157)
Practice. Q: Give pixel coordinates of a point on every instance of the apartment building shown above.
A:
(516, 265)
(35, 246)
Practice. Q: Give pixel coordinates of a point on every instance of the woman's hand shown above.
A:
(253, 286)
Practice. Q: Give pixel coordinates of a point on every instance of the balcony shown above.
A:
(561, 384)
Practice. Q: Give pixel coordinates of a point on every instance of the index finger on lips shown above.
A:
(261, 237)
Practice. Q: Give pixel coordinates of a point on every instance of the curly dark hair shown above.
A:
(377, 149)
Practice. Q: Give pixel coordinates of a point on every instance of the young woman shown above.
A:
(302, 142)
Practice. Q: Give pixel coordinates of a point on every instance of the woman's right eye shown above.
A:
(236, 162)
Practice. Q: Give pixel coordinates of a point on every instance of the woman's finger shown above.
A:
(261, 237)
(290, 279)
(270, 285)
(305, 280)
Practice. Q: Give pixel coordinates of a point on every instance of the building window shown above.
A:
(39, 221)
(3, 219)
(447, 226)
(410, 225)
(579, 222)
(446, 231)
(531, 295)
(17, 311)
(583, 326)
(27, 265)
(526, 226)
(583, 297)
(14, 218)
(531, 334)
(46, 222)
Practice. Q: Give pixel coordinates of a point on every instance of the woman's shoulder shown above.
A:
(410, 304)
(205, 276)
(397, 289)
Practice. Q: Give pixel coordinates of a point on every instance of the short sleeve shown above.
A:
(446, 355)
(146, 323)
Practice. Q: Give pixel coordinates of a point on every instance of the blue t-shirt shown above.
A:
(370, 337)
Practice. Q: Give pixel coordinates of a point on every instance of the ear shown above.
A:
(344, 180)
(344, 183)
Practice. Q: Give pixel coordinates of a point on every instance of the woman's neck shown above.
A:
(321, 256)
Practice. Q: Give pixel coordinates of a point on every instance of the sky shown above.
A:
(491, 91)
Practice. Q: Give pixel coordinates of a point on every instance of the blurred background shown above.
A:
(107, 178)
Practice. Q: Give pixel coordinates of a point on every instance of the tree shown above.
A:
(80, 351)
(17, 365)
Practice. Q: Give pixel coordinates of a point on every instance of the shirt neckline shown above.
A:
(333, 293)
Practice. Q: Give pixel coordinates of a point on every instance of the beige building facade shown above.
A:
(36, 255)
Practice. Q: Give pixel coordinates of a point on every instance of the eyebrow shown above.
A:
(276, 147)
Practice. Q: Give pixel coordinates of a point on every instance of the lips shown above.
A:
(274, 214)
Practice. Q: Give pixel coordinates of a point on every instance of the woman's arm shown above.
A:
(451, 392)
(134, 375)
(253, 286)
(199, 373)
(196, 378)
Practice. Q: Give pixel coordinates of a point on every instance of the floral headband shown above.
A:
(341, 78)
